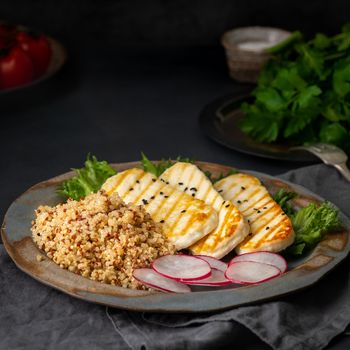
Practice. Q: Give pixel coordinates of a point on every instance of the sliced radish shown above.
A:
(217, 278)
(250, 272)
(213, 262)
(263, 257)
(182, 267)
(154, 280)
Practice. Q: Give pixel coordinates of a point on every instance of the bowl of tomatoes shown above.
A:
(27, 57)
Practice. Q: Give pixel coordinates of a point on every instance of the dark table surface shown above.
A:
(115, 103)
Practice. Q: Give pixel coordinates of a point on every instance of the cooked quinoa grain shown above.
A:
(100, 237)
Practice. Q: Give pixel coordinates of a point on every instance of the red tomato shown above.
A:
(37, 48)
(16, 68)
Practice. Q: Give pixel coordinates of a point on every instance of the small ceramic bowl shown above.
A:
(245, 50)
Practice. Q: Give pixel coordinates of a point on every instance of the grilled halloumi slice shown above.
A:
(231, 229)
(184, 219)
(270, 227)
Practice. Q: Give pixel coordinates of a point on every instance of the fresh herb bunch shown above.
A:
(88, 179)
(303, 92)
(310, 223)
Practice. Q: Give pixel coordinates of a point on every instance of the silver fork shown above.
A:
(330, 155)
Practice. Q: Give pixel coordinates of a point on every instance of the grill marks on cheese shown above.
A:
(270, 228)
(231, 228)
(184, 219)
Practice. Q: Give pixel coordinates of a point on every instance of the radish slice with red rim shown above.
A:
(251, 272)
(213, 262)
(217, 278)
(263, 257)
(181, 267)
(156, 281)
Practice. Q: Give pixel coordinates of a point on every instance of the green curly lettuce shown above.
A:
(87, 180)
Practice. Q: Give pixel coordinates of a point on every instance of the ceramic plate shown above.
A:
(302, 273)
(219, 120)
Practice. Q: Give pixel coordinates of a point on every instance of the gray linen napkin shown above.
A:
(305, 320)
(34, 316)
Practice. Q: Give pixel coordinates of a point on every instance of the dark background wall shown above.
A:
(169, 22)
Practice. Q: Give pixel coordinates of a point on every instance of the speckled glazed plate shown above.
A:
(302, 273)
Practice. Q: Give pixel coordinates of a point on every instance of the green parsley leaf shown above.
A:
(270, 98)
(333, 133)
(321, 41)
(260, 123)
(341, 77)
(285, 44)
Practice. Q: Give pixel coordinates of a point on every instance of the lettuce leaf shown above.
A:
(282, 197)
(158, 169)
(310, 224)
(87, 180)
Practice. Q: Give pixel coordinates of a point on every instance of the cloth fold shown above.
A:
(34, 316)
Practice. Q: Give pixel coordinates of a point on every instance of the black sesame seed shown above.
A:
(166, 196)
(242, 187)
(161, 221)
(283, 214)
(183, 211)
(227, 205)
(181, 183)
(265, 208)
(152, 197)
(223, 203)
(161, 193)
(131, 189)
(186, 189)
(154, 180)
(162, 180)
(239, 202)
(246, 200)
(138, 181)
(167, 182)
(250, 233)
(193, 194)
(193, 189)
(248, 220)
(255, 209)
(267, 228)
(220, 191)
(144, 201)
(258, 211)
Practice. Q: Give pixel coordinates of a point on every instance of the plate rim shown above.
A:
(338, 258)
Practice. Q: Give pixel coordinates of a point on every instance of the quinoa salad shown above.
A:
(100, 237)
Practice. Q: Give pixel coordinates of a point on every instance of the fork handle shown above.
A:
(344, 170)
